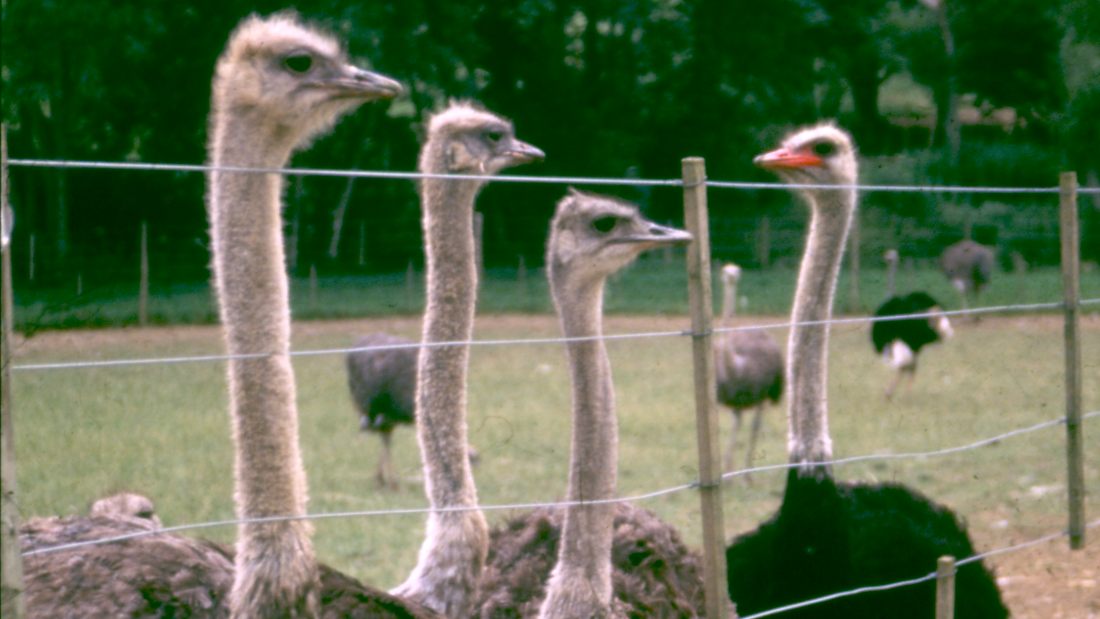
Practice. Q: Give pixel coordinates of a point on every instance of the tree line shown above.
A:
(992, 92)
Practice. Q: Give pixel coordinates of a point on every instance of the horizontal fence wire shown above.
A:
(998, 309)
(579, 180)
(553, 504)
(915, 581)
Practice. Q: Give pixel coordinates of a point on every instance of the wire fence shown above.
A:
(509, 178)
(636, 498)
(1018, 308)
(106, 363)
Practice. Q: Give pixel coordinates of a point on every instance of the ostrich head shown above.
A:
(291, 79)
(821, 155)
(593, 236)
(126, 504)
(890, 257)
(476, 141)
(731, 273)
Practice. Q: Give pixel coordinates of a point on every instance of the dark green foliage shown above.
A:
(605, 88)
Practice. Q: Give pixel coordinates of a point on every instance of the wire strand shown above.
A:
(68, 365)
(579, 180)
(520, 506)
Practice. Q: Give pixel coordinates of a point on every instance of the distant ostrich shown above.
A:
(828, 536)
(748, 367)
(462, 139)
(900, 341)
(969, 266)
(611, 560)
(383, 387)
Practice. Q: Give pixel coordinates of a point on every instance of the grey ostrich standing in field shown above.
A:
(899, 341)
(969, 267)
(827, 536)
(464, 140)
(382, 382)
(611, 560)
(277, 85)
(748, 368)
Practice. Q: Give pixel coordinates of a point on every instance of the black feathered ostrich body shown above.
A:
(829, 537)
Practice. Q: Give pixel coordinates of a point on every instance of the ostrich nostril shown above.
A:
(657, 231)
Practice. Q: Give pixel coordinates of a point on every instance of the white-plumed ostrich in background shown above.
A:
(748, 367)
(277, 86)
(464, 140)
(829, 536)
(609, 560)
(899, 341)
(969, 267)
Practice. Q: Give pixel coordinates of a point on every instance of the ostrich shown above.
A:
(277, 84)
(839, 536)
(461, 139)
(748, 367)
(383, 387)
(969, 266)
(899, 341)
(126, 504)
(611, 559)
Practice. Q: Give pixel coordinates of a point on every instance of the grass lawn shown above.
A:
(163, 431)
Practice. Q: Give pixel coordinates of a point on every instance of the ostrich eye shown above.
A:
(824, 149)
(603, 225)
(298, 63)
(494, 135)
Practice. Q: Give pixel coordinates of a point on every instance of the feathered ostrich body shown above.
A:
(610, 560)
(829, 537)
(748, 368)
(382, 383)
(969, 267)
(900, 341)
(462, 140)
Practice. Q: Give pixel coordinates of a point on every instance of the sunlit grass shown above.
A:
(163, 430)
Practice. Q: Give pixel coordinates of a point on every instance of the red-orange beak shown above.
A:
(781, 158)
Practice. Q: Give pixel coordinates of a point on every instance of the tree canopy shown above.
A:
(606, 88)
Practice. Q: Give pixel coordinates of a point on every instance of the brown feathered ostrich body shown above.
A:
(611, 560)
(969, 267)
(748, 367)
(827, 536)
(462, 140)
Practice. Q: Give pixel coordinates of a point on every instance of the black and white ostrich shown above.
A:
(829, 537)
(748, 367)
(900, 341)
(969, 267)
(382, 382)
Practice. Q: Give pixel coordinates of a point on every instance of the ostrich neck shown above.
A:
(729, 300)
(807, 369)
(587, 533)
(254, 305)
(449, 317)
(891, 275)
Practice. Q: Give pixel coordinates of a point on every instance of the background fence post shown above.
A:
(945, 587)
(706, 412)
(143, 284)
(1071, 274)
(11, 597)
(854, 246)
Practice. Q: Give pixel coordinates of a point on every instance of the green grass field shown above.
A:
(163, 430)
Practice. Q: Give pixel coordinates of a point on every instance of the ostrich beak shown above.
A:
(361, 84)
(782, 158)
(522, 152)
(655, 235)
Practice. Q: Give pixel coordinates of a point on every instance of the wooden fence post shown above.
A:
(854, 302)
(706, 410)
(1071, 291)
(11, 589)
(143, 284)
(945, 587)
